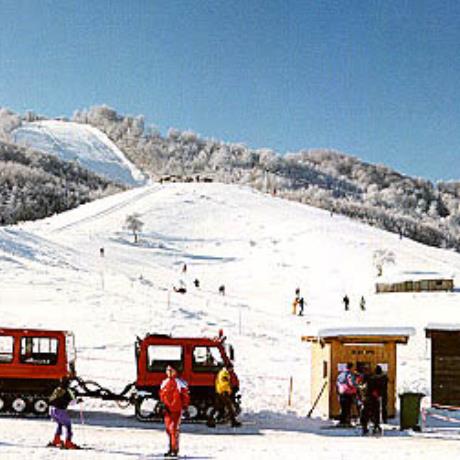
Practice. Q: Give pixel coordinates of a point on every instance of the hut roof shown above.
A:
(384, 334)
(441, 327)
(400, 277)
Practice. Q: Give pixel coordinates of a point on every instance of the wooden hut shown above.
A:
(332, 349)
(445, 363)
(416, 285)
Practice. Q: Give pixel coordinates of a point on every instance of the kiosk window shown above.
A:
(39, 350)
(160, 356)
(6, 349)
(207, 359)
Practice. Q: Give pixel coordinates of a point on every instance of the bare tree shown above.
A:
(134, 224)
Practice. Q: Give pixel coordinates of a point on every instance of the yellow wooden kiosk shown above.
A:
(332, 349)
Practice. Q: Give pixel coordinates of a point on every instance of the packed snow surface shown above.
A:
(366, 331)
(82, 143)
(261, 248)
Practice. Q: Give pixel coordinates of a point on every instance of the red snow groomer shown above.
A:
(32, 362)
(197, 360)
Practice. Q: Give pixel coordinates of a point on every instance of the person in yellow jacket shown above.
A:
(223, 398)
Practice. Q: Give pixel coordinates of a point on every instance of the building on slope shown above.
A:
(416, 283)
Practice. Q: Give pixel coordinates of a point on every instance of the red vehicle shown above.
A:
(197, 360)
(31, 363)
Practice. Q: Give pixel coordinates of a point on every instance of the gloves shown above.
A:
(161, 409)
(186, 413)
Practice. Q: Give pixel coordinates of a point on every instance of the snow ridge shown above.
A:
(82, 143)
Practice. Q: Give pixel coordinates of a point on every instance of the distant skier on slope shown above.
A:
(175, 397)
(301, 306)
(362, 303)
(59, 400)
(346, 302)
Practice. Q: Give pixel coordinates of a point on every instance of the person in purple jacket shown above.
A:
(346, 389)
(59, 401)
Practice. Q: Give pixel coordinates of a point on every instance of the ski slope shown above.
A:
(85, 144)
(261, 248)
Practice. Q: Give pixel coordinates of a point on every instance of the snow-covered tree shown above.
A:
(382, 257)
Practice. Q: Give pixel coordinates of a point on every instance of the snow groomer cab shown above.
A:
(32, 362)
(197, 361)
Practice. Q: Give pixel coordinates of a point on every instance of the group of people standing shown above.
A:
(174, 397)
(367, 391)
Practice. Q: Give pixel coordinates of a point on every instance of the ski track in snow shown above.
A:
(261, 248)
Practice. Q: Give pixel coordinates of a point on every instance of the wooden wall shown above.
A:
(445, 367)
(320, 375)
(370, 353)
(416, 286)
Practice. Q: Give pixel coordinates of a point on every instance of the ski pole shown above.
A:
(82, 419)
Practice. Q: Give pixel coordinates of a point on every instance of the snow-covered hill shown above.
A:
(82, 143)
(261, 248)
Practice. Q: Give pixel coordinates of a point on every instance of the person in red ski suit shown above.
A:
(175, 397)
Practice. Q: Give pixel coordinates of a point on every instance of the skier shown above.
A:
(175, 397)
(59, 401)
(223, 398)
(196, 282)
(346, 302)
(295, 302)
(222, 289)
(346, 389)
(374, 394)
(301, 305)
(362, 303)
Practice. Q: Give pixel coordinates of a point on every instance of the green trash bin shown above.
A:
(409, 411)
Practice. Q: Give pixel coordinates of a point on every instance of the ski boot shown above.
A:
(56, 442)
(211, 423)
(70, 445)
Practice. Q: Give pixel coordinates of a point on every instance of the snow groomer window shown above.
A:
(160, 356)
(6, 349)
(207, 359)
(39, 350)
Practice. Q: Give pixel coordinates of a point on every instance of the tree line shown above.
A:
(412, 207)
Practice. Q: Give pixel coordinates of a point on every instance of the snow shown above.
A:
(443, 327)
(400, 277)
(82, 143)
(261, 248)
(366, 331)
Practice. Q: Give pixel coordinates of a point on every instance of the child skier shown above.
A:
(59, 401)
(175, 397)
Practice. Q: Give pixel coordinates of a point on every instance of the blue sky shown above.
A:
(376, 79)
